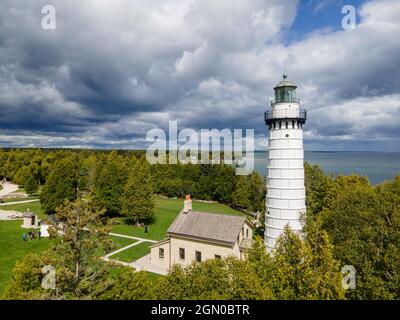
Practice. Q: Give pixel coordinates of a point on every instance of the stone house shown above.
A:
(198, 236)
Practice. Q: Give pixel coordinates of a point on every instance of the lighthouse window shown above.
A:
(287, 124)
(287, 136)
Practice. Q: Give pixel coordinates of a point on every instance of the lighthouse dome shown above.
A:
(285, 83)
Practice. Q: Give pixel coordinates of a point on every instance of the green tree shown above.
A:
(363, 223)
(224, 183)
(257, 192)
(241, 195)
(138, 201)
(327, 278)
(110, 181)
(130, 285)
(31, 185)
(305, 269)
(76, 243)
(212, 279)
(22, 175)
(262, 262)
(26, 279)
(61, 185)
(317, 185)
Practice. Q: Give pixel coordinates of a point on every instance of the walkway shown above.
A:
(18, 202)
(143, 263)
(8, 188)
(10, 215)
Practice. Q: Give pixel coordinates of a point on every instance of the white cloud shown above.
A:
(114, 69)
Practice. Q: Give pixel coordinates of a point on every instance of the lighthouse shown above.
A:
(285, 199)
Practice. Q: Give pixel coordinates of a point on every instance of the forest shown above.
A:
(348, 222)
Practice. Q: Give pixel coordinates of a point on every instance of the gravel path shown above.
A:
(8, 188)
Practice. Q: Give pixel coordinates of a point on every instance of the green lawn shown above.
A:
(22, 207)
(13, 248)
(165, 213)
(133, 253)
(120, 242)
(19, 199)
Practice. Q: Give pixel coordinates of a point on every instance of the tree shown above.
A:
(257, 192)
(212, 279)
(76, 242)
(317, 185)
(241, 195)
(224, 183)
(138, 201)
(130, 285)
(327, 278)
(305, 269)
(31, 185)
(21, 175)
(262, 262)
(110, 181)
(83, 231)
(363, 223)
(26, 278)
(61, 185)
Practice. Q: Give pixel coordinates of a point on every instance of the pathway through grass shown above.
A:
(132, 253)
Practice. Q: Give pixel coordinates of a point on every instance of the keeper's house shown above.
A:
(198, 236)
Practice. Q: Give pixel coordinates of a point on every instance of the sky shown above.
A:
(112, 70)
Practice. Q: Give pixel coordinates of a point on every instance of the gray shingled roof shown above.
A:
(208, 226)
(28, 214)
(285, 83)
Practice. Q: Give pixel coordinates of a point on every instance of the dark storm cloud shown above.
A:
(114, 69)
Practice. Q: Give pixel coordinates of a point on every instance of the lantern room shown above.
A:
(285, 91)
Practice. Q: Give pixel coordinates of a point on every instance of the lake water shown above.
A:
(377, 166)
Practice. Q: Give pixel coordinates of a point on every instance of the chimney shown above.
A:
(187, 204)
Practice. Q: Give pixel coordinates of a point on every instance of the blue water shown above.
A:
(377, 166)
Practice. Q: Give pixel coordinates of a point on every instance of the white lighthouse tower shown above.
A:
(285, 200)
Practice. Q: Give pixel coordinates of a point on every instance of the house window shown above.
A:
(217, 256)
(242, 232)
(198, 256)
(161, 253)
(247, 233)
(182, 253)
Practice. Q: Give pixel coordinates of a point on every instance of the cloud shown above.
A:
(114, 69)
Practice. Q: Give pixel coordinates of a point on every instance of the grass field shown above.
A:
(165, 213)
(133, 253)
(19, 199)
(120, 242)
(22, 207)
(13, 248)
